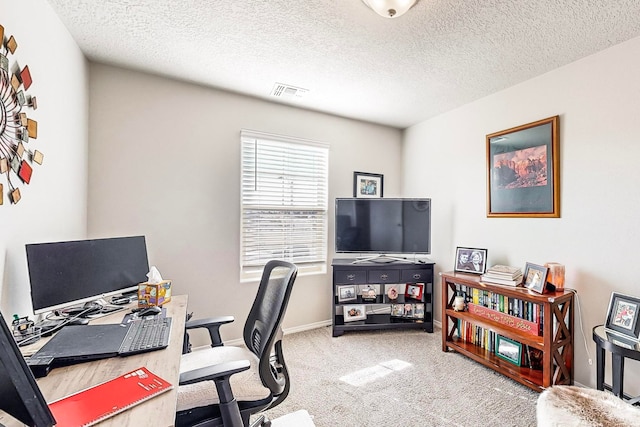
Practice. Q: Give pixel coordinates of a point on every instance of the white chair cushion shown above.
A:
(246, 385)
(570, 406)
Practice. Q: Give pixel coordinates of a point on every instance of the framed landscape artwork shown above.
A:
(523, 171)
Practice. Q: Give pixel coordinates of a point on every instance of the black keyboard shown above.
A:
(146, 334)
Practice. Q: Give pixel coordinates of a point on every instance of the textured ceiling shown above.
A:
(441, 54)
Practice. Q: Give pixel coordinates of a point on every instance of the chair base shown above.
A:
(261, 421)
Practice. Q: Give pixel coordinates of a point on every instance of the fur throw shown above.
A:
(568, 406)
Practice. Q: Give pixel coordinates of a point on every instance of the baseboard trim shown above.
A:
(302, 328)
(306, 327)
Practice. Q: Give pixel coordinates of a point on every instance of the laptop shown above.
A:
(79, 343)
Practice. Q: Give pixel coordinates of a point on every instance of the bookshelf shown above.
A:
(538, 323)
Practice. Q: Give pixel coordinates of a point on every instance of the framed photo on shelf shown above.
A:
(622, 316)
(535, 277)
(397, 310)
(418, 311)
(470, 260)
(523, 171)
(414, 290)
(408, 310)
(347, 293)
(368, 185)
(369, 292)
(509, 350)
(392, 292)
(354, 312)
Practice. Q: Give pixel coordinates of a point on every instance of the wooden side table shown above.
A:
(619, 349)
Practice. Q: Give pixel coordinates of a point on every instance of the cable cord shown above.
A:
(36, 337)
(584, 338)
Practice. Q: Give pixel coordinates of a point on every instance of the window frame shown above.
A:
(305, 208)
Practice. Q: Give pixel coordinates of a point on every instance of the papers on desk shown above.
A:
(97, 403)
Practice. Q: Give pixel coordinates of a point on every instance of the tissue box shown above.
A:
(150, 294)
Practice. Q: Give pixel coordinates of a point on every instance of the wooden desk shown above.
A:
(158, 411)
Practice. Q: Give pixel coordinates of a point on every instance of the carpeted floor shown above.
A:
(396, 378)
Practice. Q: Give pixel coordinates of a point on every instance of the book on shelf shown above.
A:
(504, 271)
(516, 281)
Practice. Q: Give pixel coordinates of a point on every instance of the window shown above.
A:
(284, 203)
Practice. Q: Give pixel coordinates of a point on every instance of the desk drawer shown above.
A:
(416, 276)
(350, 276)
(384, 276)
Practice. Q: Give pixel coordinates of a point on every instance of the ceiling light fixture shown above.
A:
(390, 8)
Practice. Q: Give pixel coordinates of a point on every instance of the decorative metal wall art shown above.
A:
(17, 157)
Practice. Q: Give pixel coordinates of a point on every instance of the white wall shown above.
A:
(53, 205)
(164, 161)
(597, 99)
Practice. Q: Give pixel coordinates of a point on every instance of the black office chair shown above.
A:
(247, 380)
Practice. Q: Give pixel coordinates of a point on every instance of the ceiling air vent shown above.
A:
(287, 91)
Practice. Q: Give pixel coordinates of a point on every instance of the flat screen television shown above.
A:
(63, 274)
(383, 226)
(21, 397)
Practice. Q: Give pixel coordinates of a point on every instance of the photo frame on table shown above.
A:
(622, 316)
(354, 312)
(535, 277)
(368, 185)
(523, 170)
(414, 291)
(347, 293)
(470, 260)
(509, 350)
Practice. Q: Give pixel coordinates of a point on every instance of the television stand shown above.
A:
(381, 259)
(391, 306)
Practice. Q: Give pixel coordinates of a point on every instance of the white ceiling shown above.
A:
(440, 55)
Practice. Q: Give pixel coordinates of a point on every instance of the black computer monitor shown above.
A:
(63, 274)
(21, 397)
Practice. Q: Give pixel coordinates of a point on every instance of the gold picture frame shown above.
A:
(523, 170)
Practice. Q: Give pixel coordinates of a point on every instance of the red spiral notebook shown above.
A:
(97, 403)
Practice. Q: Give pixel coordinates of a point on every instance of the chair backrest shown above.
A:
(262, 331)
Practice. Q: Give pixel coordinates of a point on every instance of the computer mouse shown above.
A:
(149, 311)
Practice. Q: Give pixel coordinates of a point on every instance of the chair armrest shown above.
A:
(220, 374)
(213, 372)
(212, 324)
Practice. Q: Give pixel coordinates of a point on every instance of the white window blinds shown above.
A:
(284, 202)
